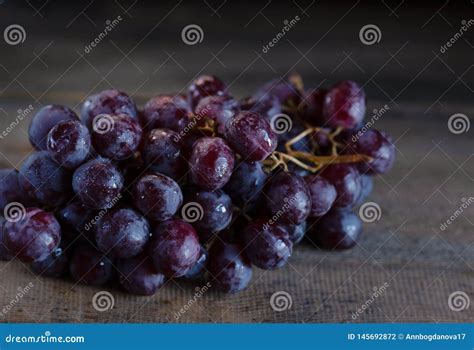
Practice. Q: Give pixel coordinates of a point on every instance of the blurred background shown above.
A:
(415, 57)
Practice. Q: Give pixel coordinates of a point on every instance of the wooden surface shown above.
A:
(422, 265)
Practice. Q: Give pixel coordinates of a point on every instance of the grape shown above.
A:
(344, 105)
(267, 245)
(205, 85)
(311, 107)
(323, 194)
(339, 229)
(55, 265)
(379, 146)
(346, 179)
(217, 108)
(109, 102)
(157, 196)
(165, 112)
(199, 268)
(90, 266)
(286, 92)
(228, 268)
(366, 185)
(246, 183)
(116, 136)
(251, 135)
(10, 190)
(295, 232)
(34, 236)
(267, 106)
(44, 120)
(74, 218)
(138, 276)
(69, 143)
(162, 153)
(288, 198)
(122, 233)
(4, 252)
(211, 163)
(98, 183)
(41, 178)
(174, 247)
(215, 209)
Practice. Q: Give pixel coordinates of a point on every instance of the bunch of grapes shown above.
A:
(196, 186)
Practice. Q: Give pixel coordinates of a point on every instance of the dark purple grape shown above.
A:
(75, 219)
(41, 178)
(346, 179)
(10, 189)
(116, 136)
(310, 108)
(323, 194)
(338, 229)
(295, 232)
(157, 196)
(218, 108)
(251, 135)
(344, 105)
(267, 106)
(267, 245)
(165, 112)
(89, 266)
(98, 183)
(379, 146)
(366, 186)
(33, 235)
(289, 199)
(122, 233)
(205, 85)
(43, 122)
(246, 183)
(174, 247)
(228, 268)
(213, 209)
(199, 268)
(109, 102)
(138, 276)
(69, 143)
(55, 265)
(5, 254)
(211, 163)
(285, 91)
(162, 153)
